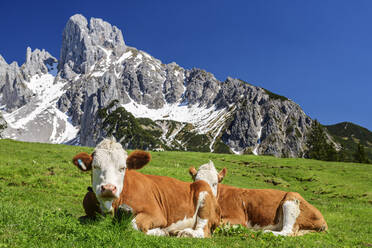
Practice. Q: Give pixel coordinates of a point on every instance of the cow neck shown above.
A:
(130, 180)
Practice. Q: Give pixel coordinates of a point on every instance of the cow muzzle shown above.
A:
(108, 191)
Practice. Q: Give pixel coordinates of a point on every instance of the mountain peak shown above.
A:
(37, 62)
(2, 60)
(79, 19)
(84, 44)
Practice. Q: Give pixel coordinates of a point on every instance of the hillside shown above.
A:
(350, 135)
(41, 198)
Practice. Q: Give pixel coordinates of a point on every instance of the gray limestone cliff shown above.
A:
(96, 67)
(14, 79)
(13, 90)
(82, 44)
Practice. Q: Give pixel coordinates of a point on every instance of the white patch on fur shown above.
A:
(134, 224)
(201, 200)
(106, 206)
(157, 232)
(109, 164)
(208, 173)
(291, 210)
(198, 232)
(180, 226)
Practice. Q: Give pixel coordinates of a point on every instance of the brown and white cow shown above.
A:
(161, 205)
(282, 213)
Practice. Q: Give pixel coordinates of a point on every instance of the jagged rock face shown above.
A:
(3, 125)
(13, 91)
(202, 87)
(82, 44)
(264, 125)
(255, 122)
(174, 83)
(38, 62)
(194, 110)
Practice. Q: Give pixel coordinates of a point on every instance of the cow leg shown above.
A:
(150, 224)
(205, 211)
(291, 211)
(143, 225)
(310, 218)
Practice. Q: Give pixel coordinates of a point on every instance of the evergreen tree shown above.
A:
(360, 155)
(318, 147)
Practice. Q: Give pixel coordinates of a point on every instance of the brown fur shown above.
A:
(159, 201)
(192, 172)
(263, 207)
(138, 159)
(222, 174)
(85, 158)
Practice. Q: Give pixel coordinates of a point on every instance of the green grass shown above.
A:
(41, 196)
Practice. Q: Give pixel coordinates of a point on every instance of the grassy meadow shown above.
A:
(41, 196)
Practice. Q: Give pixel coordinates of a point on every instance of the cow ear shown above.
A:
(83, 161)
(222, 174)
(192, 172)
(137, 159)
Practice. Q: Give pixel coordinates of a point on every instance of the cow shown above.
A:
(279, 212)
(160, 205)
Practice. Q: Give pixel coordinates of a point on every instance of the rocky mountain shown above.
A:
(103, 87)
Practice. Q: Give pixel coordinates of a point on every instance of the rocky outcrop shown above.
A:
(38, 62)
(101, 68)
(3, 125)
(83, 44)
(13, 90)
(194, 110)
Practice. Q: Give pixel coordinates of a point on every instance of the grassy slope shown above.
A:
(41, 194)
(350, 135)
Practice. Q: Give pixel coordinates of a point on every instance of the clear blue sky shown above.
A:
(317, 53)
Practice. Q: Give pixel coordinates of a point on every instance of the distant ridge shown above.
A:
(350, 135)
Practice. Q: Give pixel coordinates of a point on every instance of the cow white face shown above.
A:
(208, 173)
(108, 173)
(108, 163)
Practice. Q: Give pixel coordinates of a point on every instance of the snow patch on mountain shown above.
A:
(259, 133)
(40, 120)
(200, 117)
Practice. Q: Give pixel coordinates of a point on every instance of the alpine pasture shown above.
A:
(41, 194)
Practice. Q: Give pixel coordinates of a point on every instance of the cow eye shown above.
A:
(122, 169)
(96, 167)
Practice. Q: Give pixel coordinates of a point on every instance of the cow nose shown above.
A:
(108, 187)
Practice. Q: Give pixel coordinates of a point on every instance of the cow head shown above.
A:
(108, 163)
(208, 173)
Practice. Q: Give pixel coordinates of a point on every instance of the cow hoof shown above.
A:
(186, 233)
(157, 232)
(190, 233)
(277, 233)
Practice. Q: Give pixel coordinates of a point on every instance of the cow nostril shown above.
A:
(108, 187)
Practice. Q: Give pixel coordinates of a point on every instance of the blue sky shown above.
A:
(317, 53)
